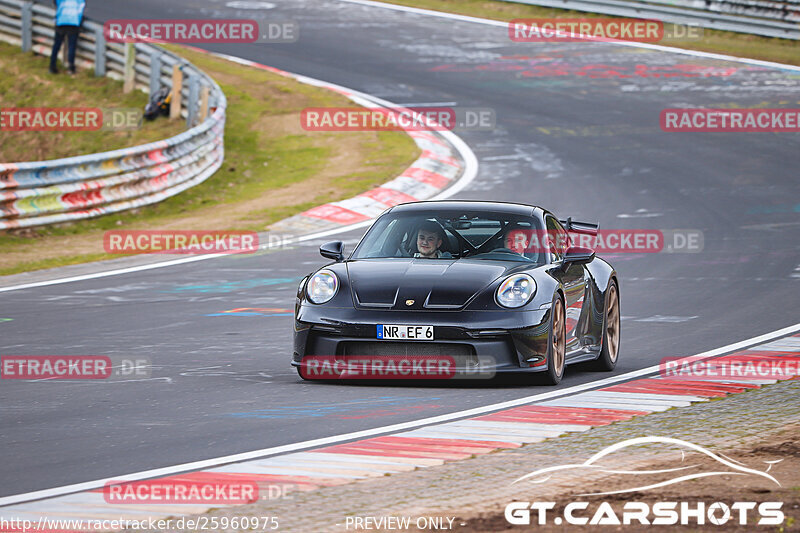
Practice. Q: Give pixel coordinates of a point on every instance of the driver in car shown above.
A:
(430, 237)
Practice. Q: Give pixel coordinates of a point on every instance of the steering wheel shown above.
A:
(504, 251)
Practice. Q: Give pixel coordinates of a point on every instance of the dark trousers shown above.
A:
(71, 34)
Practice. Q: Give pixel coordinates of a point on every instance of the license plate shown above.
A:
(405, 333)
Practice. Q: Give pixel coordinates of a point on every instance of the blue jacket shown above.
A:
(69, 12)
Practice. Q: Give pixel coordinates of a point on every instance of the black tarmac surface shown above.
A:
(577, 132)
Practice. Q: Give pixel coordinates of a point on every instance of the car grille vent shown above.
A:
(372, 348)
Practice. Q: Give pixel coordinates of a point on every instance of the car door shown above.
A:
(573, 280)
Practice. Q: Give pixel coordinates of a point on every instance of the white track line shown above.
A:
(336, 439)
(500, 23)
(469, 174)
(163, 264)
(470, 161)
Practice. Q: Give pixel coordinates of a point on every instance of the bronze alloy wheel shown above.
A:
(612, 322)
(609, 352)
(558, 343)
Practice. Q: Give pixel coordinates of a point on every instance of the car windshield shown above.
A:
(448, 236)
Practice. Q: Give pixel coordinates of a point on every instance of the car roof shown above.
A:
(460, 205)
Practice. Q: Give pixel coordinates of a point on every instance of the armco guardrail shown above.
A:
(756, 17)
(61, 190)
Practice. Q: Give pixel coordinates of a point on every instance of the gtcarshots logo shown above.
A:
(642, 513)
(638, 513)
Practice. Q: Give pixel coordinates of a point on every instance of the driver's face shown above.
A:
(428, 242)
(515, 240)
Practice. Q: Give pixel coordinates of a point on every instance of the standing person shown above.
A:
(69, 16)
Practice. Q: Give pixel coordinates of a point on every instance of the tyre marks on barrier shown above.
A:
(436, 444)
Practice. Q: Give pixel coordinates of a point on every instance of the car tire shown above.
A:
(609, 352)
(556, 342)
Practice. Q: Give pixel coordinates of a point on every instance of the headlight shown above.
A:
(516, 290)
(302, 288)
(322, 286)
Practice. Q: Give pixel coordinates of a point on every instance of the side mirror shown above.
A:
(332, 250)
(578, 255)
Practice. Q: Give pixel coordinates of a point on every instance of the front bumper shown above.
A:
(503, 341)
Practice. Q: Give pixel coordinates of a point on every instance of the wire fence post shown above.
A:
(27, 26)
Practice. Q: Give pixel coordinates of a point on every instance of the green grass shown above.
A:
(265, 152)
(721, 42)
(27, 266)
(26, 82)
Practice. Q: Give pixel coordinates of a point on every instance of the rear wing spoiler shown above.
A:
(580, 227)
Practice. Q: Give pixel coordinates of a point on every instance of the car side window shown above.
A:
(557, 239)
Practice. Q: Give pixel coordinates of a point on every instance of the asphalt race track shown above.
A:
(577, 132)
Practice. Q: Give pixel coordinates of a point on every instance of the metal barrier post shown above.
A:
(155, 73)
(204, 103)
(129, 72)
(191, 105)
(193, 155)
(99, 53)
(27, 26)
(177, 97)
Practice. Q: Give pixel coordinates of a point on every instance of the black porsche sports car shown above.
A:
(456, 289)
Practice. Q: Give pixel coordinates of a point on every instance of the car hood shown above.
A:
(430, 283)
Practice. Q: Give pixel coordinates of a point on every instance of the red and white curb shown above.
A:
(446, 166)
(439, 166)
(436, 444)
